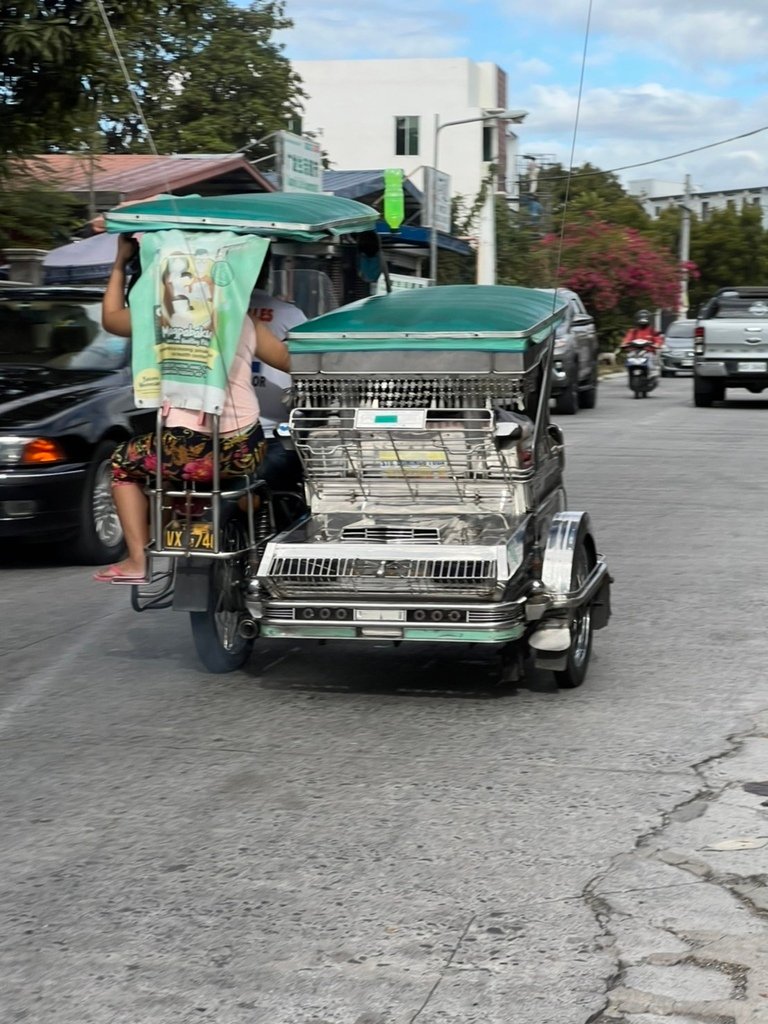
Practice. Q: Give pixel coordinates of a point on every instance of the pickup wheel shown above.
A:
(707, 392)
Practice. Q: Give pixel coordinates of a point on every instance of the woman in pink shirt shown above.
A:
(186, 441)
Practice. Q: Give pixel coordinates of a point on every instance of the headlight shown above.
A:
(561, 346)
(30, 451)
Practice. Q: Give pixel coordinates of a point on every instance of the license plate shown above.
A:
(196, 536)
(752, 367)
(426, 463)
(380, 614)
(687, 362)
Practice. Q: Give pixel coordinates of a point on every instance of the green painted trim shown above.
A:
(298, 630)
(306, 346)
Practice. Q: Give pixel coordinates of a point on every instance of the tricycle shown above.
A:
(433, 507)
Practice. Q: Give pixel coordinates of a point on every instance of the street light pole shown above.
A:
(514, 116)
(685, 245)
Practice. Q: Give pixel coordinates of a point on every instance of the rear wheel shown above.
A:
(216, 630)
(706, 392)
(580, 651)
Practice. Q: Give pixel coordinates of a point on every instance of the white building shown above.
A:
(374, 114)
(656, 196)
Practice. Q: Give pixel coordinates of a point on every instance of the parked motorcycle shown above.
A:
(643, 370)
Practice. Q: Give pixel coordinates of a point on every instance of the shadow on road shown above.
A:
(463, 674)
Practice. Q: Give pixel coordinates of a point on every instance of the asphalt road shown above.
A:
(354, 835)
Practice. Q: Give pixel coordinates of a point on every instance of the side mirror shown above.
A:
(283, 434)
(556, 435)
(557, 443)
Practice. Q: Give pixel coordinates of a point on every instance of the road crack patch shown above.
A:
(684, 915)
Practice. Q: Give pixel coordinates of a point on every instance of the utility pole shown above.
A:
(685, 246)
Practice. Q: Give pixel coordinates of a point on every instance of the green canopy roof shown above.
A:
(477, 317)
(297, 216)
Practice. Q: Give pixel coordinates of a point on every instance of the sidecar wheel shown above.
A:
(580, 651)
(215, 631)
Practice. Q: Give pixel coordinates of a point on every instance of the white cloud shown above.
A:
(650, 123)
(345, 29)
(533, 68)
(693, 32)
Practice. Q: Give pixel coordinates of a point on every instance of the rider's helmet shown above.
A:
(643, 318)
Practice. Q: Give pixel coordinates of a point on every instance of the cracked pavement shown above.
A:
(686, 922)
(354, 835)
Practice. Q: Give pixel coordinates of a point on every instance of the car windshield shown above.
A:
(62, 334)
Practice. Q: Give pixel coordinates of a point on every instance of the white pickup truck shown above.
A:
(731, 344)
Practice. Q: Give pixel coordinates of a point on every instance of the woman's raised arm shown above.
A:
(115, 315)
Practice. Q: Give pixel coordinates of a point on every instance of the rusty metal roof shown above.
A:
(138, 176)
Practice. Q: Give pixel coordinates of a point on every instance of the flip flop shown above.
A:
(113, 574)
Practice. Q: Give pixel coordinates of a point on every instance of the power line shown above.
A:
(661, 159)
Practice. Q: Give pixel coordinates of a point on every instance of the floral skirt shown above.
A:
(188, 455)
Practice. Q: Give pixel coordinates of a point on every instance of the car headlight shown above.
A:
(30, 451)
(561, 346)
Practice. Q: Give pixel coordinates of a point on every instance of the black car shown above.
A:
(574, 363)
(677, 350)
(66, 400)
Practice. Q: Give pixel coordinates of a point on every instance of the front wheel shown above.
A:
(567, 402)
(215, 631)
(100, 536)
(580, 651)
(588, 397)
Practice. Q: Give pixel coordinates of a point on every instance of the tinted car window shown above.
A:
(63, 334)
(737, 307)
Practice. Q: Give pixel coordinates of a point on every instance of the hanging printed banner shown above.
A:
(187, 313)
(394, 200)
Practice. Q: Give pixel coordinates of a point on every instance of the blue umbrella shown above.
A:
(86, 262)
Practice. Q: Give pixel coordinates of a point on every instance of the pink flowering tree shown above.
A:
(616, 270)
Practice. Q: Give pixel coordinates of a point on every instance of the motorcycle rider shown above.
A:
(643, 331)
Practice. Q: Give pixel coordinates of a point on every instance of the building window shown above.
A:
(295, 124)
(658, 211)
(407, 136)
(756, 201)
(704, 210)
(488, 147)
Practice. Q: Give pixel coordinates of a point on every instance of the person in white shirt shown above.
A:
(280, 468)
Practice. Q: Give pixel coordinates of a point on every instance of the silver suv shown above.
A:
(574, 374)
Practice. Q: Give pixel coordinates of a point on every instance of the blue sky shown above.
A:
(660, 76)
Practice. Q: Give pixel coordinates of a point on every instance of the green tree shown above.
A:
(53, 55)
(219, 84)
(587, 191)
(729, 248)
(207, 75)
(36, 217)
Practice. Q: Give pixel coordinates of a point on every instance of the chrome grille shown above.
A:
(297, 577)
(280, 613)
(392, 391)
(391, 534)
